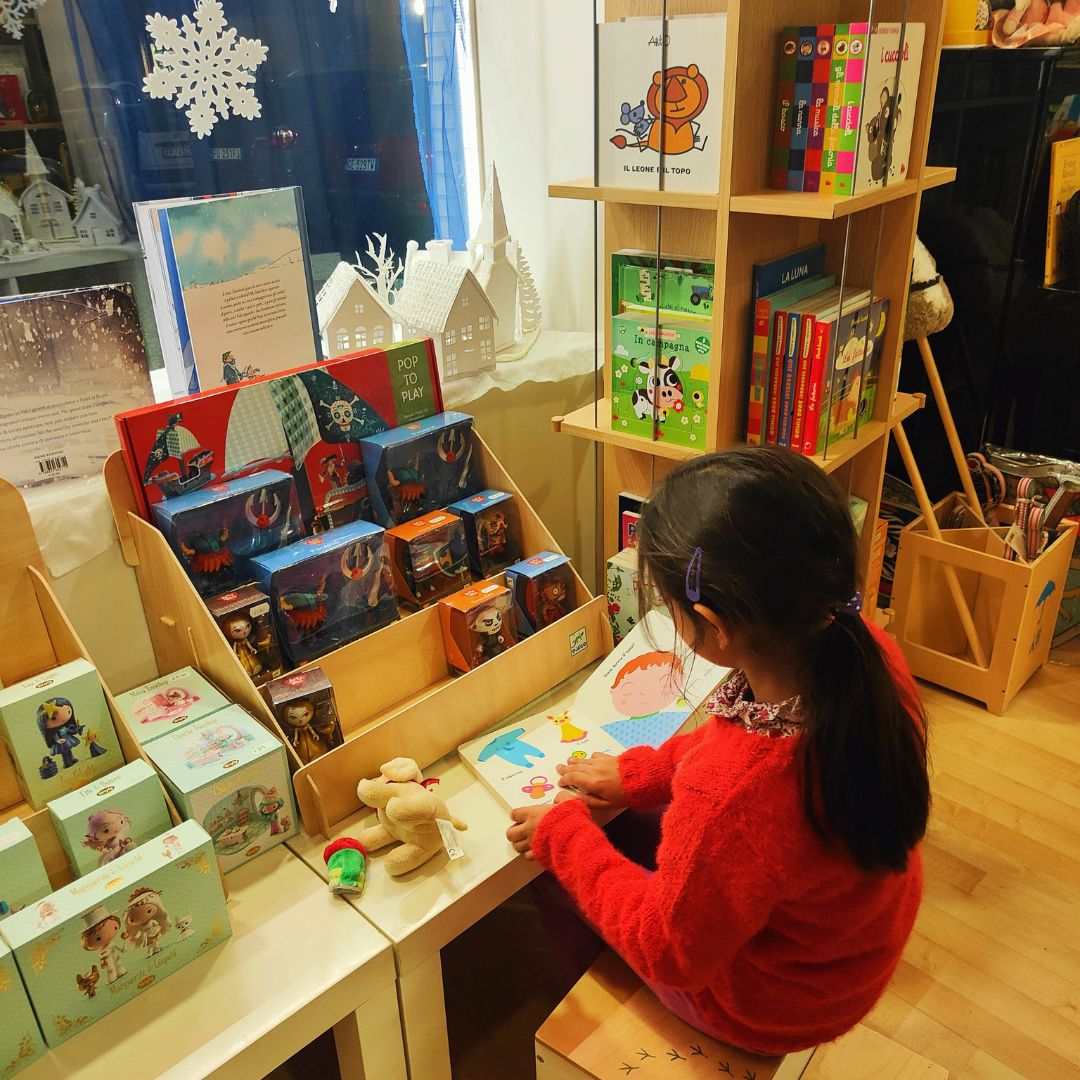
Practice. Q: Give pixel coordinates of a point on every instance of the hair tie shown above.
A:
(852, 607)
(693, 592)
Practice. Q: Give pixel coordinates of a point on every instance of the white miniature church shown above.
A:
(44, 205)
(96, 223)
(352, 315)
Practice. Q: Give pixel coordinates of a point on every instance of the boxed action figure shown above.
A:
(492, 531)
(22, 873)
(329, 589)
(168, 703)
(304, 705)
(477, 624)
(21, 1041)
(100, 941)
(421, 467)
(543, 589)
(102, 821)
(307, 422)
(60, 713)
(243, 616)
(229, 774)
(216, 531)
(429, 559)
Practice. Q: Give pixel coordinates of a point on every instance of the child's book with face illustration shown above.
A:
(643, 691)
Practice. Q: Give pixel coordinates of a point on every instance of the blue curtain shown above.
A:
(350, 101)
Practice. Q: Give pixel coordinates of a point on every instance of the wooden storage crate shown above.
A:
(1014, 606)
(395, 692)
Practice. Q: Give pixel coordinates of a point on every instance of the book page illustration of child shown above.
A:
(99, 935)
(647, 691)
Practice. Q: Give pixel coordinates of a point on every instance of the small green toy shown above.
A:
(346, 861)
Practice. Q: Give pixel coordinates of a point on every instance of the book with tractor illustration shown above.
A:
(642, 693)
(686, 285)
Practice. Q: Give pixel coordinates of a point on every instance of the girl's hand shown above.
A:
(596, 780)
(527, 818)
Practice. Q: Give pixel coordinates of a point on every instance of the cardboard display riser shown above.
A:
(395, 692)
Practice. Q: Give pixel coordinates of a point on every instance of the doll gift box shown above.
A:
(228, 773)
(62, 714)
(99, 823)
(420, 467)
(244, 617)
(168, 703)
(106, 937)
(22, 873)
(216, 531)
(328, 589)
(492, 531)
(307, 712)
(477, 624)
(543, 590)
(20, 1037)
(429, 559)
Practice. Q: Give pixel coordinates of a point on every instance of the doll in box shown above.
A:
(543, 590)
(492, 528)
(59, 728)
(429, 559)
(244, 619)
(476, 624)
(107, 834)
(305, 707)
(305, 609)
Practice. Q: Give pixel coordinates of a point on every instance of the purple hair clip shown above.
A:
(852, 607)
(693, 568)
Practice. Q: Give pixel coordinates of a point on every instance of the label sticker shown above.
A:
(450, 839)
(579, 641)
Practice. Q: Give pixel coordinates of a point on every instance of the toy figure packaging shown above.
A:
(329, 589)
(623, 595)
(22, 873)
(62, 714)
(304, 705)
(243, 616)
(477, 624)
(492, 531)
(308, 423)
(421, 467)
(229, 774)
(100, 941)
(543, 590)
(216, 531)
(429, 559)
(168, 703)
(102, 821)
(20, 1037)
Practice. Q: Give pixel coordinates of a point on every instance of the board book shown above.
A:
(1064, 183)
(641, 694)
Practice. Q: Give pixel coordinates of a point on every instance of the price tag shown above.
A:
(450, 839)
(1016, 539)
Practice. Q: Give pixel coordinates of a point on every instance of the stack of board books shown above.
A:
(815, 363)
(667, 398)
(835, 78)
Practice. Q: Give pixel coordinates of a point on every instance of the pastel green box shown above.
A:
(229, 774)
(106, 819)
(62, 714)
(168, 703)
(22, 873)
(99, 942)
(20, 1036)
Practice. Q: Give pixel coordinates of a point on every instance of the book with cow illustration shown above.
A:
(646, 689)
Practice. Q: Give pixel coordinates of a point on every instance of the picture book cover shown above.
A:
(819, 100)
(641, 693)
(686, 285)
(245, 279)
(12, 106)
(851, 97)
(637, 120)
(69, 361)
(785, 95)
(1064, 183)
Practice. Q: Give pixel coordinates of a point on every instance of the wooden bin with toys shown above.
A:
(1013, 604)
(395, 692)
(35, 636)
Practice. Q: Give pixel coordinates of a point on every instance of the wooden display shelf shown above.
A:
(842, 452)
(935, 175)
(809, 204)
(43, 125)
(588, 191)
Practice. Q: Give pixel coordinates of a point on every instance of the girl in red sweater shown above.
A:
(787, 878)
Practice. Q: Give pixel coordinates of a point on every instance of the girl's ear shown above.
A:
(718, 625)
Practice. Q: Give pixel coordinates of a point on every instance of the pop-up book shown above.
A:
(642, 693)
(168, 703)
(22, 873)
(492, 531)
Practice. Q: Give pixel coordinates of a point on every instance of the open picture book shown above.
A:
(640, 695)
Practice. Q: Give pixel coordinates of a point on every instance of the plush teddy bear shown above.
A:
(407, 810)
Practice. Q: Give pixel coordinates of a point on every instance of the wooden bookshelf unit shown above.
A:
(747, 222)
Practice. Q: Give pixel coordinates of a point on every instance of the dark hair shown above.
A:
(778, 559)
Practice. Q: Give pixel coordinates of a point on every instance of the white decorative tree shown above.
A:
(385, 275)
(528, 296)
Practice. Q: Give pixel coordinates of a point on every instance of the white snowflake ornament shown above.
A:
(204, 66)
(13, 12)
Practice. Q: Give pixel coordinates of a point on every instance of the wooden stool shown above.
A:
(611, 1026)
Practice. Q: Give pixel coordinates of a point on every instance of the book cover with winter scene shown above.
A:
(640, 694)
(69, 361)
(636, 120)
(243, 270)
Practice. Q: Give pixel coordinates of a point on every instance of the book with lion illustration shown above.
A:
(641, 694)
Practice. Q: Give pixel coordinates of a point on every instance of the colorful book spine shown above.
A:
(858, 35)
(758, 365)
(819, 100)
(815, 385)
(791, 361)
(834, 107)
(802, 378)
(776, 377)
(800, 125)
(785, 96)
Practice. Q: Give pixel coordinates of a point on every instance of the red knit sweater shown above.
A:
(782, 942)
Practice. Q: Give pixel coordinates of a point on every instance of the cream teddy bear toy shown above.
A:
(407, 811)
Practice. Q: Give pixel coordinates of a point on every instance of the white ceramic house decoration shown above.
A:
(11, 219)
(96, 223)
(496, 260)
(44, 205)
(352, 315)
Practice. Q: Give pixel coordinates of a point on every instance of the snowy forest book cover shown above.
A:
(69, 361)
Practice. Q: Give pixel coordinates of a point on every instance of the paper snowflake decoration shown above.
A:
(204, 66)
(12, 13)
